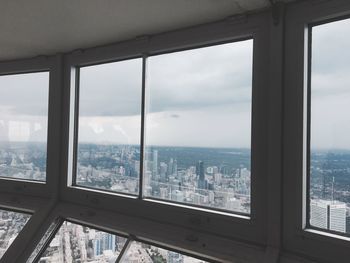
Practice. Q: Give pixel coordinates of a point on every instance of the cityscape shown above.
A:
(330, 190)
(80, 244)
(11, 223)
(23, 160)
(76, 243)
(217, 178)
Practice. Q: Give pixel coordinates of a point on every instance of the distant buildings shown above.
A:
(155, 164)
(330, 215)
(200, 175)
(174, 257)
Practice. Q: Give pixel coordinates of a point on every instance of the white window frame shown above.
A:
(231, 225)
(35, 197)
(298, 238)
(43, 189)
(224, 237)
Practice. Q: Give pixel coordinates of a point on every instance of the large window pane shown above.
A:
(143, 253)
(11, 223)
(330, 127)
(198, 127)
(76, 243)
(108, 154)
(23, 125)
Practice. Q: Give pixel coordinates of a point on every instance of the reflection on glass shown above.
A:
(23, 125)
(198, 127)
(11, 223)
(144, 253)
(46, 237)
(76, 243)
(330, 127)
(108, 155)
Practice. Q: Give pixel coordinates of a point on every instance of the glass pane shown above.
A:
(23, 125)
(11, 223)
(144, 253)
(109, 126)
(42, 243)
(76, 243)
(330, 127)
(199, 127)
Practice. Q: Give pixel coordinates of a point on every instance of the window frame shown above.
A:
(221, 236)
(57, 224)
(216, 223)
(72, 156)
(298, 236)
(33, 187)
(145, 101)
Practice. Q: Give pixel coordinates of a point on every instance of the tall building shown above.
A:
(163, 167)
(155, 164)
(200, 175)
(330, 215)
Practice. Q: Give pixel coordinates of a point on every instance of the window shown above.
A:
(23, 125)
(329, 128)
(138, 252)
(11, 223)
(76, 243)
(198, 127)
(108, 151)
(180, 174)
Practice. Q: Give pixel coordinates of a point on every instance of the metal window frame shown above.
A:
(298, 237)
(37, 197)
(31, 187)
(217, 223)
(224, 237)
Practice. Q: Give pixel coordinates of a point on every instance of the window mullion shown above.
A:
(124, 250)
(143, 116)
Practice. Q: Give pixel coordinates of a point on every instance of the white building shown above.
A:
(329, 215)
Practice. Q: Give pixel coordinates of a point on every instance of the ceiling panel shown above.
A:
(42, 27)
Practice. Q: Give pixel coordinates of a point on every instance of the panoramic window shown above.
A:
(143, 253)
(198, 127)
(329, 156)
(76, 243)
(11, 223)
(108, 151)
(23, 125)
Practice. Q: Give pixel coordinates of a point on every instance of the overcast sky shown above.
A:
(330, 110)
(194, 98)
(200, 97)
(24, 107)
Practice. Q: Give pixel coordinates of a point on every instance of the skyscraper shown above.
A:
(163, 171)
(200, 175)
(330, 215)
(155, 164)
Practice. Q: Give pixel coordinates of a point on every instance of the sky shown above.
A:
(200, 97)
(330, 86)
(24, 107)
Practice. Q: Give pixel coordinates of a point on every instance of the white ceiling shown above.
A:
(44, 27)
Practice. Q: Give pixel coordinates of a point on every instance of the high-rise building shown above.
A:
(200, 175)
(163, 167)
(155, 163)
(330, 215)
